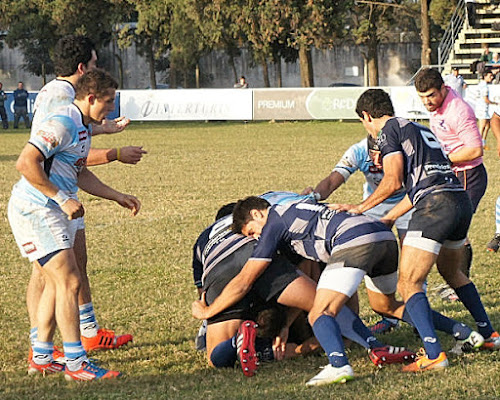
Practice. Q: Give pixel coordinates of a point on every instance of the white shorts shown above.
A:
(381, 210)
(40, 230)
(346, 280)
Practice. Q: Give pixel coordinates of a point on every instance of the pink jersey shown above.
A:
(455, 126)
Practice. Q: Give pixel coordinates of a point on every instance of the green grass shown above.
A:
(140, 268)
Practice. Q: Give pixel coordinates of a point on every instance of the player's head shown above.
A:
(431, 88)
(226, 209)
(74, 55)
(487, 76)
(95, 91)
(374, 152)
(372, 105)
(250, 216)
(20, 85)
(454, 71)
(1, 85)
(271, 321)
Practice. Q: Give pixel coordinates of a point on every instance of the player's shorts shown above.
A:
(474, 181)
(440, 219)
(346, 268)
(380, 211)
(40, 230)
(482, 113)
(269, 286)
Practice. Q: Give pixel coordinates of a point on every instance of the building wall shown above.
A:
(343, 64)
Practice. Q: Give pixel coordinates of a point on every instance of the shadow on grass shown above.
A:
(7, 157)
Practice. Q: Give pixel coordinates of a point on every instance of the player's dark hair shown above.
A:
(486, 72)
(241, 212)
(69, 52)
(271, 321)
(226, 209)
(427, 79)
(375, 102)
(97, 82)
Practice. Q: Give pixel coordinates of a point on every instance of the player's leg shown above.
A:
(221, 343)
(33, 294)
(494, 243)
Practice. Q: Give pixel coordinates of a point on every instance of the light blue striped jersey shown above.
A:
(64, 142)
(54, 95)
(357, 158)
(315, 232)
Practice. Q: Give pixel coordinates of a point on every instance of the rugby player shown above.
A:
(494, 243)
(73, 56)
(43, 212)
(438, 227)
(454, 123)
(220, 254)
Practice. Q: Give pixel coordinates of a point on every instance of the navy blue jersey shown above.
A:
(426, 167)
(316, 232)
(213, 245)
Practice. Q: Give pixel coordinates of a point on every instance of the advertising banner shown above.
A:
(186, 104)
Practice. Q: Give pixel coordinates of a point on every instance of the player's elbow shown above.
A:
(22, 165)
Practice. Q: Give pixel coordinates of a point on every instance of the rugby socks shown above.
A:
(42, 352)
(420, 313)
(327, 331)
(444, 324)
(75, 355)
(469, 296)
(352, 328)
(224, 354)
(88, 321)
(33, 336)
(497, 215)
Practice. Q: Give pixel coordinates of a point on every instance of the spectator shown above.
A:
(21, 106)
(495, 61)
(483, 103)
(487, 55)
(471, 12)
(455, 81)
(241, 84)
(3, 113)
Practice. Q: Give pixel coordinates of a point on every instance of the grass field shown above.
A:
(140, 268)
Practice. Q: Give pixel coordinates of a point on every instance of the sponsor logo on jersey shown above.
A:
(29, 247)
(431, 169)
(49, 138)
(82, 135)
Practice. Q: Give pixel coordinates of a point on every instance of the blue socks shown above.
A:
(327, 331)
(420, 313)
(352, 328)
(224, 354)
(469, 296)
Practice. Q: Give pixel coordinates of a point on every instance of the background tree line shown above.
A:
(172, 35)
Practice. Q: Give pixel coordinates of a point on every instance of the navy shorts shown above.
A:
(269, 286)
(474, 181)
(440, 217)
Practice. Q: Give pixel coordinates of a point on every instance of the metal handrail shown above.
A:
(451, 33)
(412, 79)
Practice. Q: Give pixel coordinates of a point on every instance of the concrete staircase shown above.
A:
(468, 45)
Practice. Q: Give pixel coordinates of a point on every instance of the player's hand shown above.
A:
(114, 125)
(130, 202)
(388, 222)
(351, 208)
(131, 154)
(199, 308)
(73, 209)
(307, 190)
(279, 344)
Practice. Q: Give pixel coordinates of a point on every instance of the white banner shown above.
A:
(186, 104)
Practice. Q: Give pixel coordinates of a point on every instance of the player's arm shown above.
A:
(89, 183)
(327, 186)
(126, 155)
(109, 126)
(234, 291)
(392, 181)
(468, 133)
(29, 164)
(399, 209)
(495, 128)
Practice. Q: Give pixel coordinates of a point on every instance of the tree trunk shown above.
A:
(120, 70)
(151, 63)
(372, 62)
(265, 73)
(306, 67)
(44, 74)
(197, 75)
(233, 67)
(425, 33)
(279, 77)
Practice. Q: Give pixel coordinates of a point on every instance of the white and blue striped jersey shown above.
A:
(356, 158)
(218, 241)
(315, 232)
(426, 168)
(64, 142)
(54, 95)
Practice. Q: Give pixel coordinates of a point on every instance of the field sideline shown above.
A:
(140, 268)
